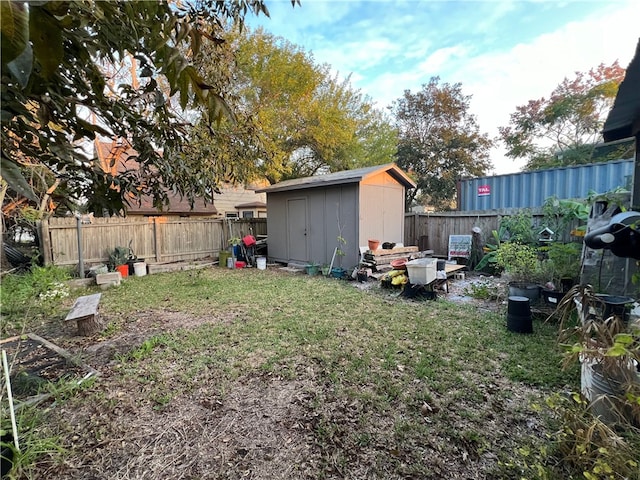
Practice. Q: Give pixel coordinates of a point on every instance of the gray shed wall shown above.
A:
(319, 230)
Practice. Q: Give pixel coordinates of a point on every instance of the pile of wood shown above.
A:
(383, 257)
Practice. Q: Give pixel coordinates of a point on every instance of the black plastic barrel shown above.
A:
(441, 264)
(519, 315)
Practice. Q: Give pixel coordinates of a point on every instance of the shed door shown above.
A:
(297, 229)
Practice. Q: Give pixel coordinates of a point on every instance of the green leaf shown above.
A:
(616, 351)
(12, 174)
(625, 339)
(46, 37)
(21, 66)
(14, 30)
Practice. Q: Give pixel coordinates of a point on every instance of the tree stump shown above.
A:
(90, 325)
(85, 313)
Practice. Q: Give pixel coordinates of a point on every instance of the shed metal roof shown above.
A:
(624, 118)
(341, 178)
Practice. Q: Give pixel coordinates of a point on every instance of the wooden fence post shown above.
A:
(156, 239)
(45, 241)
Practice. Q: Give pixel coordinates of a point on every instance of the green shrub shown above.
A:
(519, 228)
(519, 261)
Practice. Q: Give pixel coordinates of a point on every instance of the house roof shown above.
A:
(117, 156)
(624, 118)
(340, 178)
(177, 206)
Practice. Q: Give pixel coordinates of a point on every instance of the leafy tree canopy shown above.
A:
(565, 128)
(294, 118)
(56, 97)
(439, 142)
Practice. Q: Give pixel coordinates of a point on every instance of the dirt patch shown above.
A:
(257, 431)
(131, 332)
(265, 427)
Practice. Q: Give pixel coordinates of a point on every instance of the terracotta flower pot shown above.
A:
(373, 245)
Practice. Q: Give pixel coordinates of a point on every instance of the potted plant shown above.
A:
(562, 268)
(566, 258)
(312, 268)
(118, 259)
(362, 274)
(523, 268)
(338, 253)
(607, 344)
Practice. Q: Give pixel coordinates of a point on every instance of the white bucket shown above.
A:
(261, 262)
(140, 269)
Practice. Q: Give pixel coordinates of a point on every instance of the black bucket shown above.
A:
(440, 264)
(519, 315)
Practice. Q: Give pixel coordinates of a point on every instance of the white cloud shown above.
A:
(363, 55)
(392, 47)
(438, 60)
(501, 80)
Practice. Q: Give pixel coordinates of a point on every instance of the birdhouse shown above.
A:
(545, 235)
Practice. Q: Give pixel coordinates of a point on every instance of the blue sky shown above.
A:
(503, 52)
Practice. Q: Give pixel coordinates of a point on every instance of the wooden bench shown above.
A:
(85, 312)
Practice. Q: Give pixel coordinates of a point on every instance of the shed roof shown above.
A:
(341, 178)
(624, 118)
(255, 204)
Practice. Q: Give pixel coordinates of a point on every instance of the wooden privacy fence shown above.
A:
(154, 239)
(430, 231)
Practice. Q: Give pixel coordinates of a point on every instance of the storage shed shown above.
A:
(307, 215)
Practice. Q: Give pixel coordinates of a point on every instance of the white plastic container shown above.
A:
(140, 269)
(261, 263)
(422, 271)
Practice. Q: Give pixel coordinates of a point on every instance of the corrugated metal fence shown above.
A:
(154, 239)
(531, 189)
(430, 231)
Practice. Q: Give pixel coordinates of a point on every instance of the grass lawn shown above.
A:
(222, 374)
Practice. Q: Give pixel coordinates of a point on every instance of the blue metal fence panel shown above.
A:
(531, 189)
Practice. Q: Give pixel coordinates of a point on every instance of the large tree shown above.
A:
(56, 97)
(564, 128)
(439, 142)
(294, 118)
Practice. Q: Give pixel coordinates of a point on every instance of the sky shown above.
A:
(503, 52)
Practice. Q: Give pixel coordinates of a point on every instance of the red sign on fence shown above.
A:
(484, 190)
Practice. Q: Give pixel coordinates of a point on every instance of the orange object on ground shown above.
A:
(124, 270)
